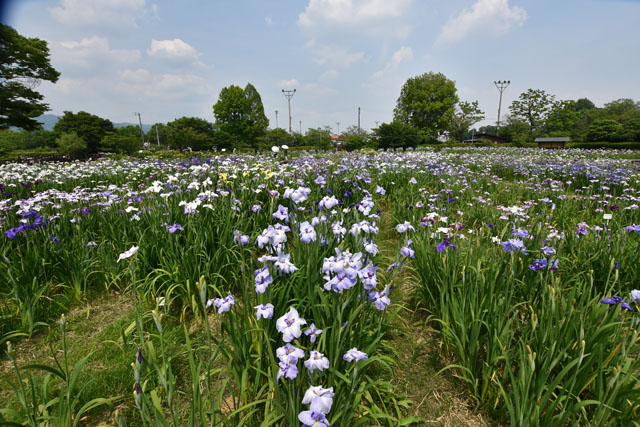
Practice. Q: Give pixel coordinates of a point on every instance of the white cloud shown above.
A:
(99, 14)
(172, 49)
(91, 52)
(334, 55)
(328, 75)
(403, 54)
(268, 20)
(350, 12)
(288, 83)
(492, 16)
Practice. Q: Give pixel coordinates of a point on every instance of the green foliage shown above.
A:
(240, 115)
(70, 144)
(533, 108)
(89, 127)
(191, 132)
(603, 130)
(427, 102)
(162, 135)
(397, 135)
(466, 115)
(121, 143)
(24, 62)
(630, 130)
(355, 139)
(319, 137)
(278, 136)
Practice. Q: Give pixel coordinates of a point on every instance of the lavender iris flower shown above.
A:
(264, 311)
(175, 227)
(282, 214)
(514, 245)
(320, 399)
(635, 296)
(316, 361)
(312, 332)
(313, 419)
(289, 325)
(355, 355)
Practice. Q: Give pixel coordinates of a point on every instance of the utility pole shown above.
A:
(358, 119)
(157, 136)
(289, 94)
(501, 85)
(338, 123)
(276, 119)
(300, 127)
(141, 132)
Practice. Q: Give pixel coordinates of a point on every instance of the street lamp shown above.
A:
(501, 85)
(289, 94)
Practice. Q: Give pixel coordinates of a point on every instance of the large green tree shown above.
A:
(89, 127)
(190, 132)
(428, 103)
(24, 62)
(532, 107)
(240, 115)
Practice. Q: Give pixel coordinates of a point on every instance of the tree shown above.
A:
(160, 137)
(584, 104)
(622, 109)
(24, 62)
(257, 121)
(319, 137)
(87, 126)
(396, 135)
(532, 107)
(72, 145)
(192, 132)
(466, 115)
(631, 130)
(604, 130)
(355, 139)
(121, 143)
(427, 102)
(278, 136)
(240, 115)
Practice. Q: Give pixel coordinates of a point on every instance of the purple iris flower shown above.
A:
(520, 233)
(406, 251)
(538, 264)
(354, 355)
(615, 300)
(54, 239)
(440, 247)
(547, 250)
(85, 211)
(11, 233)
(514, 245)
(175, 227)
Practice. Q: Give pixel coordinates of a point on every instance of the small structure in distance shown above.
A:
(485, 137)
(552, 142)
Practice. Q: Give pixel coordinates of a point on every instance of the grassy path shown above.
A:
(439, 399)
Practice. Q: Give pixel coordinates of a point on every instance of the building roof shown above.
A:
(553, 139)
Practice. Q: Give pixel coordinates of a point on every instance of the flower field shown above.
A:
(261, 296)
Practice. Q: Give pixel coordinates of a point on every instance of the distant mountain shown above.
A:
(49, 121)
(145, 128)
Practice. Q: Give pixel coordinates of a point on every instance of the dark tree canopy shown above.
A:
(89, 127)
(428, 103)
(24, 62)
(397, 135)
(240, 115)
(191, 132)
(533, 107)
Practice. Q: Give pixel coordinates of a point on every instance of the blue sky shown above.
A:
(170, 58)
